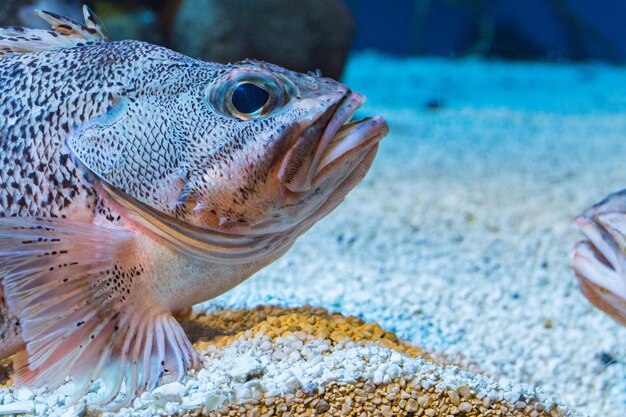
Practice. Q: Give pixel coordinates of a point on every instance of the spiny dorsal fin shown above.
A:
(65, 33)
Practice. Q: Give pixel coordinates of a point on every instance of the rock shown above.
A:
(422, 401)
(193, 401)
(214, 400)
(24, 394)
(465, 407)
(411, 405)
(302, 36)
(244, 367)
(19, 407)
(173, 391)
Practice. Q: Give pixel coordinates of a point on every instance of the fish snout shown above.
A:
(327, 140)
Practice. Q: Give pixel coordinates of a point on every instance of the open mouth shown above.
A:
(327, 141)
(600, 259)
(599, 263)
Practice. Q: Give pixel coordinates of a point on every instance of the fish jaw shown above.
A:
(349, 142)
(297, 170)
(600, 262)
(338, 137)
(309, 176)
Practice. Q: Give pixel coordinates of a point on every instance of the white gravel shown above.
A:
(251, 368)
(255, 366)
(458, 239)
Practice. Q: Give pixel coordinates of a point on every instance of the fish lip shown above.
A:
(338, 116)
(601, 237)
(365, 132)
(599, 259)
(599, 241)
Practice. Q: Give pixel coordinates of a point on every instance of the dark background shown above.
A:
(508, 29)
(306, 35)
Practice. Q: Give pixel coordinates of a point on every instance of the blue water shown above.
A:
(518, 29)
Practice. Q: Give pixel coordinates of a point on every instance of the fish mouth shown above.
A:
(600, 262)
(599, 255)
(328, 141)
(599, 265)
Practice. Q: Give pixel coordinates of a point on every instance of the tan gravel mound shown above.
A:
(408, 395)
(276, 321)
(276, 361)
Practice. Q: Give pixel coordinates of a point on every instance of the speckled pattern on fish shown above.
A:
(136, 182)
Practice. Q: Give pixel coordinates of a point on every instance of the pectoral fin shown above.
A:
(77, 291)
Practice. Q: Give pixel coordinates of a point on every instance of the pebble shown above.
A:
(194, 401)
(174, 391)
(71, 412)
(214, 400)
(465, 392)
(465, 407)
(412, 405)
(426, 384)
(351, 377)
(422, 400)
(41, 409)
(18, 407)
(24, 394)
(292, 383)
(378, 377)
(511, 397)
(243, 366)
(454, 397)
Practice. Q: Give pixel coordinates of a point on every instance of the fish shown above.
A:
(136, 182)
(599, 262)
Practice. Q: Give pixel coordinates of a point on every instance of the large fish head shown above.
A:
(241, 149)
(280, 150)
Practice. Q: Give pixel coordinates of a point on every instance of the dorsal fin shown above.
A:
(65, 33)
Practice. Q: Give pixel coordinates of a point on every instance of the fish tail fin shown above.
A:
(86, 311)
(65, 33)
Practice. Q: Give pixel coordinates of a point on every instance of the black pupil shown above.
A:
(249, 98)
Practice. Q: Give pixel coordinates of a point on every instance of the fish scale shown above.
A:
(36, 130)
(132, 187)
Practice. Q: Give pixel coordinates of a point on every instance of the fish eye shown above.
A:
(249, 98)
(248, 94)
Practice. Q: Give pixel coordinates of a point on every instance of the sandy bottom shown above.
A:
(458, 239)
(457, 243)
